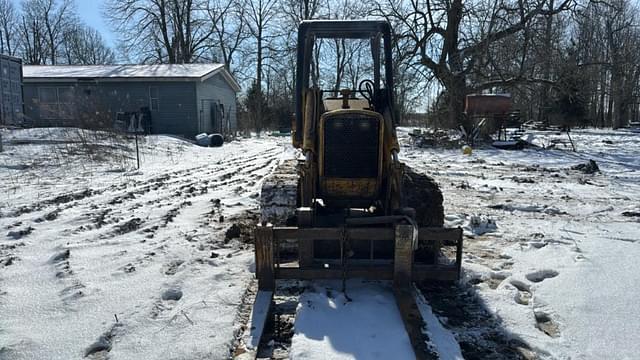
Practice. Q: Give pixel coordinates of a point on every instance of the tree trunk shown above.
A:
(457, 90)
(616, 99)
(258, 115)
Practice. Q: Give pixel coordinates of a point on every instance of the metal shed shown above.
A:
(181, 99)
(11, 107)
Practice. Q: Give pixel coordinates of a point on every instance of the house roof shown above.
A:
(161, 72)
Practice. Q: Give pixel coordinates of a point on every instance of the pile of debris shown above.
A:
(434, 138)
(590, 167)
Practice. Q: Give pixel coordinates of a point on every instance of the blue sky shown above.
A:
(90, 12)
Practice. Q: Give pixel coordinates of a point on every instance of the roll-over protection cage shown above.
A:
(375, 30)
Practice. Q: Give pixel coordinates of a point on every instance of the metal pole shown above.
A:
(137, 152)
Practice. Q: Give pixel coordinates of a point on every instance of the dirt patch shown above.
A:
(276, 340)
(129, 226)
(590, 167)
(58, 200)
(171, 214)
(102, 345)
(19, 234)
(99, 220)
(8, 261)
(65, 198)
(233, 232)
(480, 335)
(242, 228)
(545, 323)
(523, 180)
(50, 216)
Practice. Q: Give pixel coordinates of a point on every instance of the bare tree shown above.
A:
(84, 45)
(622, 45)
(161, 31)
(33, 38)
(607, 40)
(229, 29)
(44, 23)
(8, 24)
(259, 16)
(449, 37)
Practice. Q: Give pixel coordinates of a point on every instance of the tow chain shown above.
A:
(344, 249)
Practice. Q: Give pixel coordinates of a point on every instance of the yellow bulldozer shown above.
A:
(346, 207)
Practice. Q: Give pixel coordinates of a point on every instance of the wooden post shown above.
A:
(403, 260)
(264, 258)
(137, 152)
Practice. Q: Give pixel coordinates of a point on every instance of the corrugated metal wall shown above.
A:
(11, 107)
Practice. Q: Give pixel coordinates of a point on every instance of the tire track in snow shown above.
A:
(98, 222)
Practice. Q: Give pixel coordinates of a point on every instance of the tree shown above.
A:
(84, 45)
(450, 38)
(229, 28)
(161, 31)
(608, 51)
(255, 104)
(259, 15)
(33, 45)
(43, 26)
(8, 24)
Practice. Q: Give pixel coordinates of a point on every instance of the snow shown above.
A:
(256, 322)
(328, 326)
(137, 261)
(558, 269)
(120, 71)
(97, 256)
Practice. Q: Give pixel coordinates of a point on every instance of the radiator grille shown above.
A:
(351, 147)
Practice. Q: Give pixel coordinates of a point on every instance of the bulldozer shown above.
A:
(346, 206)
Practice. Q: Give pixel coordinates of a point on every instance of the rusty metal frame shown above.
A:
(268, 269)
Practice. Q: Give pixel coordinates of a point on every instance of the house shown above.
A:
(10, 90)
(179, 99)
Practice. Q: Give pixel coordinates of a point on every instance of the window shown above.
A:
(56, 103)
(154, 98)
(65, 103)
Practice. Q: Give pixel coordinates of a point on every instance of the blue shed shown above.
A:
(182, 99)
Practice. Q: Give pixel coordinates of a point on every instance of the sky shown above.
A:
(90, 12)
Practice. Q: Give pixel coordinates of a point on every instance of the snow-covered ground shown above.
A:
(100, 259)
(96, 255)
(559, 272)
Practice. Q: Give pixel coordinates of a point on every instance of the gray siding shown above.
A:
(96, 104)
(216, 90)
